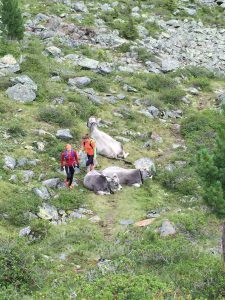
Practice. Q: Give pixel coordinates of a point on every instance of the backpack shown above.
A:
(71, 153)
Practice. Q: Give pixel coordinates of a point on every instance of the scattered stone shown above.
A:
(25, 80)
(80, 7)
(170, 65)
(13, 179)
(193, 91)
(88, 63)
(129, 88)
(95, 219)
(126, 222)
(8, 65)
(21, 92)
(48, 212)
(42, 192)
(220, 99)
(41, 146)
(25, 231)
(153, 214)
(154, 111)
(22, 162)
(54, 51)
(76, 215)
(27, 175)
(10, 162)
(64, 134)
(104, 68)
(167, 229)
(79, 81)
(52, 183)
(170, 168)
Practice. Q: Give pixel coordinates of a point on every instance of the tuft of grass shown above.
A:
(173, 96)
(159, 82)
(56, 115)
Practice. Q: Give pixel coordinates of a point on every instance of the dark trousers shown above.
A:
(90, 160)
(69, 173)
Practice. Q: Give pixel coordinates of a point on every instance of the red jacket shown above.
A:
(69, 158)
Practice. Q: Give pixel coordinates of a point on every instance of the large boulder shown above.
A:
(169, 65)
(10, 162)
(64, 134)
(23, 90)
(79, 81)
(42, 193)
(48, 212)
(8, 65)
(80, 7)
(53, 51)
(88, 63)
(52, 183)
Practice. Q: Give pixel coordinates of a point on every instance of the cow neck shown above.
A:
(142, 180)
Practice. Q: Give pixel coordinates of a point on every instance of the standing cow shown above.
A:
(105, 144)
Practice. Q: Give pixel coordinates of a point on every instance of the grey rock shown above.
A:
(79, 81)
(48, 212)
(121, 96)
(27, 175)
(64, 134)
(170, 168)
(169, 65)
(22, 93)
(126, 222)
(54, 51)
(129, 88)
(25, 231)
(88, 63)
(104, 68)
(80, 7)
(76, 215)
(52, 183)
(10, 162)
(95, 219)
(145, 163)
(220, 99)
(193, 91)
(8, 65)
(154, 111)
(167, 229)
(106, 7)
(22, 162)
(42, 193)
(25, 80)
(13, 179)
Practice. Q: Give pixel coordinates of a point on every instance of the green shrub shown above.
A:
(99, 84)
(17, 205)
(56, 115)
(16, 129)
(144, 55)
(84, 108)
(124, 48)
(69, 200)
(40, 228)
(153, 29)
(158, 82)
(173, 96)
(19, 267)
(202, 83)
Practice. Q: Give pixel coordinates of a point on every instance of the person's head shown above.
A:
(86, 137)
(68, 147)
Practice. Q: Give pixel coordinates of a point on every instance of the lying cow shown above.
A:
(101, 184)
(127, 176)
(105, 144)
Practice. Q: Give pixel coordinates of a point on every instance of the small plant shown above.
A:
(172, 96)
(55, 115)
(40, 228)
(153, 29)
(11, 19)
(16, 130)
(83, 107)
(202, 83)
(124, 48)
(159, 82)
(144, 55)
(69, 200)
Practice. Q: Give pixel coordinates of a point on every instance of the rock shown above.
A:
(95, 219)
(80, 7)
(54, 51)
(76, 215)
(48, 212)
(121, 96)
(63, 256)
(220, 99)
(144, 223)
(167, 229)
(105, 266)
(27, 175)
(13, 179)
(153, 214)
(22, 162)
(10, 162)
(52, 183)
(145, 163)
(156, 138)
(25, 231)
(42, 193)
(41, 146)
(169, 65)
(79, 81)
(104, 68)
(106, 7)
(64, 134)
(129, 88)
(25, 80)
(193, 91)
(126, 222)
(8, 65)
(154, 111)
(22, 93)
(170, 168)
(88, 63)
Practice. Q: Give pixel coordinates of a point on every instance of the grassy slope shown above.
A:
(145, 266)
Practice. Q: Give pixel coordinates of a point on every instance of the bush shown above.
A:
(124, 48)
(144, 55)
(16, 129)
(19, 267)
(84, 108)
(99, 84)
(40, 228)
(158, 82)
(172, 96)
(203, 83)
(60, 116)
(153, 29)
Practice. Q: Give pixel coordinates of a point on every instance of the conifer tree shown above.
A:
(12, 24)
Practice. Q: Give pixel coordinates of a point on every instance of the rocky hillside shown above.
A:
(153, 73)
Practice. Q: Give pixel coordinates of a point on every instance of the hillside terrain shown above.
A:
(153, 73)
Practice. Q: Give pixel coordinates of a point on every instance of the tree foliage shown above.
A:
(12, 24)
(211, 167)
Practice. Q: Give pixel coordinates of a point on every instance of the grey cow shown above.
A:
(127, 176)
(101, 184)
(105, 144)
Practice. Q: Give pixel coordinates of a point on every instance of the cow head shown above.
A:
(145, 174)
(114, 183)
(92, 121)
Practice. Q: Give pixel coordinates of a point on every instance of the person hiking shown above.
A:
(69, 159)
(88, 145)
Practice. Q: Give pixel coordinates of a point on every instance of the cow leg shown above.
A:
(101, 193)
